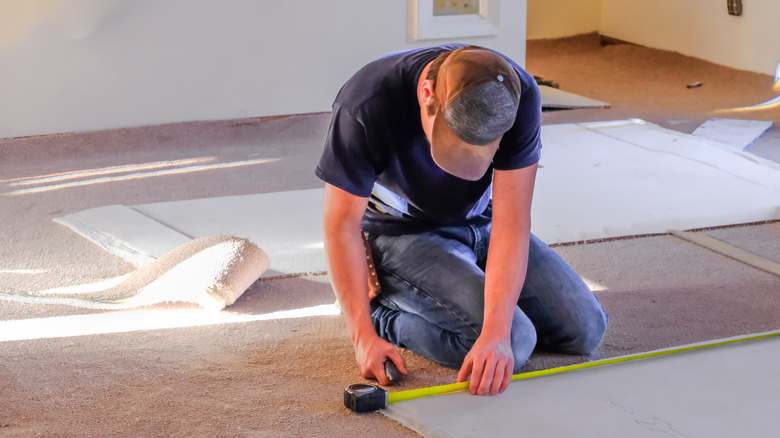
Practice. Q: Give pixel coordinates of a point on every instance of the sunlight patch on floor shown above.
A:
(140, 320)
(594, 286)
(138, 175)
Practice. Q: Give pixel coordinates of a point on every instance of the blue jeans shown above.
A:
(432, 299)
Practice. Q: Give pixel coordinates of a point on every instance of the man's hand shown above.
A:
(371, 352)
(490, 364)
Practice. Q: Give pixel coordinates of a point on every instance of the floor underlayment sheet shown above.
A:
(623, 178)
(288, 225)
(727, 391)
(596, 180)
(737, 133)
(553, 98)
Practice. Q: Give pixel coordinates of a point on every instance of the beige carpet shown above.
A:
(285, 377)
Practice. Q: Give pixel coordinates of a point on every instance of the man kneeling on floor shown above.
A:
(418, 143)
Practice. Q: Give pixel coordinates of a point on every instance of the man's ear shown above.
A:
(426, 92)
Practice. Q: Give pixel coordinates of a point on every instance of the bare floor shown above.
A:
(285, 377)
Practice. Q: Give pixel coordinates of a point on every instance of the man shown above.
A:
(418, 142)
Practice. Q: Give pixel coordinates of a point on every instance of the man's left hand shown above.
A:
(490, 364)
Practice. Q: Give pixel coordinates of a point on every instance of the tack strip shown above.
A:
(727, 250)
(412, 394)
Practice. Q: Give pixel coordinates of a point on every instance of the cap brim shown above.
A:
(455, 156)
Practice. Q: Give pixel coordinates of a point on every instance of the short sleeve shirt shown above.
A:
(376, 148)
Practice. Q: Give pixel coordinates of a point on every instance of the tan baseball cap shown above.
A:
(478, 92)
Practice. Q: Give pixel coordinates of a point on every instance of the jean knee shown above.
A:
(460, 345)
(588, 334)
(523, 338)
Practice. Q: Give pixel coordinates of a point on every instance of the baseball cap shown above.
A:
(478, 92)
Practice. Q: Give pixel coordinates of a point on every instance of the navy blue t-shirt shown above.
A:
(376, 148)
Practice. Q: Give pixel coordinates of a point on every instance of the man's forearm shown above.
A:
(346, 256)
(348, 275)
(504, 278)
(508, 251)
(490, 361)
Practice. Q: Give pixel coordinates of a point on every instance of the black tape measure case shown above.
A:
(362, 397)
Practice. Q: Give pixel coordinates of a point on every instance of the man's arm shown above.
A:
(490, 361)
(346, 255)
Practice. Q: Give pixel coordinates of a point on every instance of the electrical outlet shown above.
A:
(734, 7)
(455, 7)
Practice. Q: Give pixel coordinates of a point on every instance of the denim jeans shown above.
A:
(432, 299)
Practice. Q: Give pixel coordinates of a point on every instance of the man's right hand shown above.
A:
(371, 352)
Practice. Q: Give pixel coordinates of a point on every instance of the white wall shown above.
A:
(561, 18)
(78, 65)
(699, 28)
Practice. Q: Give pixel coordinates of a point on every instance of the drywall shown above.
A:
(700, 28)
(79, 65)
(561, 18)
